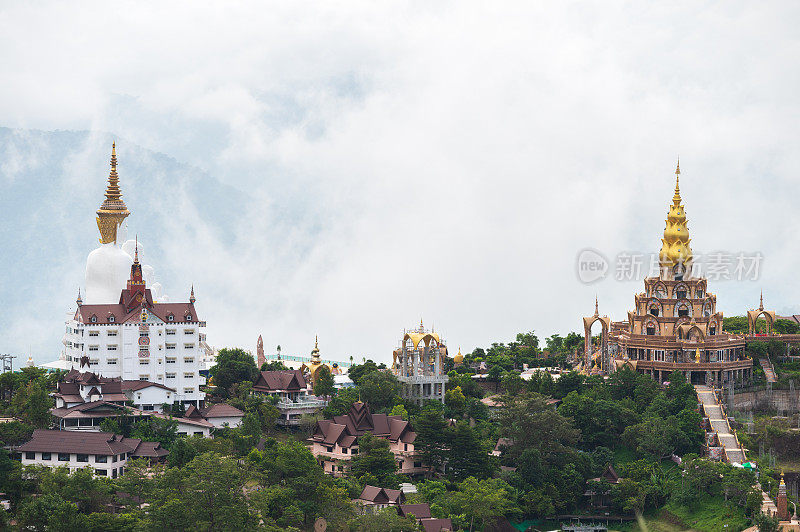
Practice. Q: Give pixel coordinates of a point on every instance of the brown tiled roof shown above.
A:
(436, 525)
(221, 410)
(135, 385)
(420, 511)
(199, 422)
(358, 421)
(150, 449)
(84, 442)
(179, 311)
(95, 409)
(280, 380)
(382, 495)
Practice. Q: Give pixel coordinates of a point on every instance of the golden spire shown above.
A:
(112, 211)
(596, 309)
(675, 246)
(315, 351)
(761, 301)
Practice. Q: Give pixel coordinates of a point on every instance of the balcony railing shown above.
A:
(308, 403)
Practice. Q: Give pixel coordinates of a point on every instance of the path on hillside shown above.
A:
(720, 425)
(769, 371)
(733, 451)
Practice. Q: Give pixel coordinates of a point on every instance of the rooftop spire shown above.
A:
(761, 301)
(192, 299)
(112, 211)
(596, 311)
(136, 250)
(675, 246)
(79, 301)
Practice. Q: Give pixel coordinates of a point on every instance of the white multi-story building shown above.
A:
(137, 337)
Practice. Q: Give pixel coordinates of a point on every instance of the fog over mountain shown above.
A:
(347, 170)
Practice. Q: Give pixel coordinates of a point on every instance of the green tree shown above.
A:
(233, 366)
(181, 453)
(386, 520)
(380, 390)
(530, 422)
(32, 405)
(465, 456)
(207, 494)
(357, 371)
(324, 385)
(484, 501)
(431, 443)
(375, 459)
(399, 410)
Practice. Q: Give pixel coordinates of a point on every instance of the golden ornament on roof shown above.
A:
(113, 211)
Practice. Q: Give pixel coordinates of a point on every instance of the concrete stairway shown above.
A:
(719, 424)
(769, 371)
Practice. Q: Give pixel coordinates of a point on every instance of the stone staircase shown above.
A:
(732, 450)
(769, 371)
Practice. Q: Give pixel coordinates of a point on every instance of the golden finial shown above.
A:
(421, 327)
(596, 308)
(112, 211)
(316, 342)
(676, 242)
(761, 301)
(136, 250)
(79, 301)
(192, 298)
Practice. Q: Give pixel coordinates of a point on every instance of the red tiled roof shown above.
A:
(68, 441)
(221, 410)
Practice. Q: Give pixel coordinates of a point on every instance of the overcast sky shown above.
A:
(436, 160)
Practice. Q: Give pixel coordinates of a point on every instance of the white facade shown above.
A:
(151, 398)
(175, 356)
(110, 466)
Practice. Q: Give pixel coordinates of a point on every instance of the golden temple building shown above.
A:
(312, 368)
(675, 325)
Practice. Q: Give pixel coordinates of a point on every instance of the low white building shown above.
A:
(77, 388)
(106, 453)
(222, 415)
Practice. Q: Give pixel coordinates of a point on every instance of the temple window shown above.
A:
(654, 311)
(651, 331)
(681, 293)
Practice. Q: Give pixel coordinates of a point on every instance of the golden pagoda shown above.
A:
(675, 246)
(674, 325)
(316, 363)
(113, 211)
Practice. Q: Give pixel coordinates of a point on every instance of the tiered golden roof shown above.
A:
(113, 211)
(676, 242)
